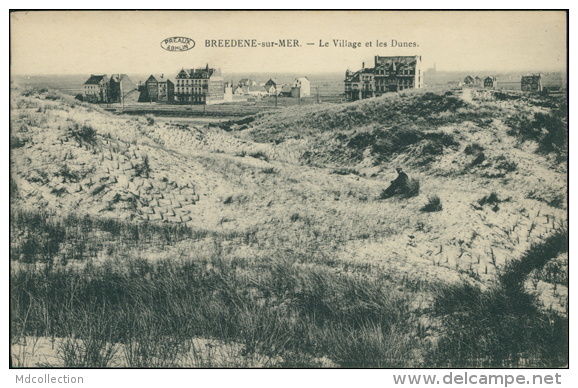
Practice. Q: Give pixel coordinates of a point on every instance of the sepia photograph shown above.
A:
(289, 189)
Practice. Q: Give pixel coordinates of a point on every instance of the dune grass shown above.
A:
(290, 313)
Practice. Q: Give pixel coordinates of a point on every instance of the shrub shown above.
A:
(505, 164)
(433, 205)
(150, 119)
(83, 134)
(473, 148)
(67, 174)
(549, 130)
(17, 142)
(480, 157)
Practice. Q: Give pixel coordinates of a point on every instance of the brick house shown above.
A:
(158, 88)
(122, 88)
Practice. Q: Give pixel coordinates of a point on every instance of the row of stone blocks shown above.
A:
(165, 218)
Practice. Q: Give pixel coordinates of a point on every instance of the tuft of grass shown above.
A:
(535, 258)
(492, 199)
(259, 155)
(555, 200)
(143, 169)
(270, 170)
(83, 134)
(433, 205)
(345, 171)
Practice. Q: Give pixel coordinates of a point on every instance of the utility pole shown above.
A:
(275, 96)
(318, 94)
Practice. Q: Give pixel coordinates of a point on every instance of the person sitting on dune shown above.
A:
(398, 185)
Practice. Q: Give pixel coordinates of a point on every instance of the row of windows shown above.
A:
(185, 82)
(400, 72)
(189, 91)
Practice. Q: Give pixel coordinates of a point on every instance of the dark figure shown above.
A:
(398, 186)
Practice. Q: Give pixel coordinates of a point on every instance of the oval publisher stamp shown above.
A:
(177, 43)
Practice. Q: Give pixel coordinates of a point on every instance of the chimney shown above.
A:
(363, 65)
(162, 76)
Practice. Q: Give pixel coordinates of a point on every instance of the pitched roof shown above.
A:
(203, 73)
(395, 61)
(159, 78)
(118, 77)
(353, 77)
(95, 79)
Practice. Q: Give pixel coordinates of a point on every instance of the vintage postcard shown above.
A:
(289, 189)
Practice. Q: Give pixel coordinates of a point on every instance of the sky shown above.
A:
(96, 42)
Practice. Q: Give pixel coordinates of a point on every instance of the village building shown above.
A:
(490, 82)
(247, 82)
(532, 83)
(253, 90)
(122, 88)
(389, 74)
(273, 83)
(285, 91)
(469, 80)
(158, 88)
(96, 88)
(301, 87)
(200, 86)
(270, 89)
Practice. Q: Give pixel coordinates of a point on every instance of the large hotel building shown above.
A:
(200, 86)
(389, 74)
